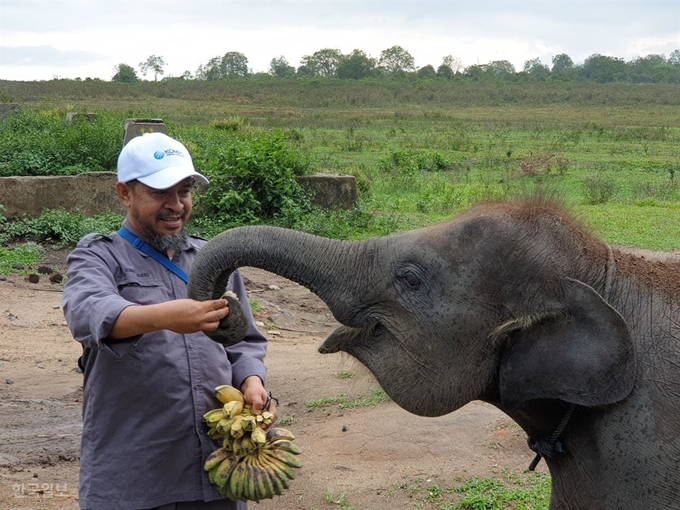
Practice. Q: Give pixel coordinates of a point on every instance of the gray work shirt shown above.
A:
(144, 441)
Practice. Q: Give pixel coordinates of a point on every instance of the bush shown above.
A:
(598, 189)
(44, 143)
(252, 179)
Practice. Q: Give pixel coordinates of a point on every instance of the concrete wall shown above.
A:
(94, 192)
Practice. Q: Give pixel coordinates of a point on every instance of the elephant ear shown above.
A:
(582, 355)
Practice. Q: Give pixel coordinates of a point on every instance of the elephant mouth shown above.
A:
(346, 339)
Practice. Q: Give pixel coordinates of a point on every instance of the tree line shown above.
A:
(398, 62)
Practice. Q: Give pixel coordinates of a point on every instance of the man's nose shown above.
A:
(174, 202)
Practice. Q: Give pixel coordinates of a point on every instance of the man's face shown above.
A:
(154, 211)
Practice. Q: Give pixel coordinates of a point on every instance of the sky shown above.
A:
(47, 39)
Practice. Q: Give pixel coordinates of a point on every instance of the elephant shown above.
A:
(515, 303)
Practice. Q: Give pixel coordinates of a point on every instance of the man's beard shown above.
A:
(164, 243)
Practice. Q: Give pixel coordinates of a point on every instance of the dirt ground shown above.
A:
(377, 458)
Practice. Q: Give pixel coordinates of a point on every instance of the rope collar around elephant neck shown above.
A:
(551, 445)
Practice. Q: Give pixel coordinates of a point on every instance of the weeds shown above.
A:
(375, 397)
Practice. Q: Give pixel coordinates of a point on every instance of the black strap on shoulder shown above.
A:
(153, 253)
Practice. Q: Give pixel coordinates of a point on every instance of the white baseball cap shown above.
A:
(156, 160)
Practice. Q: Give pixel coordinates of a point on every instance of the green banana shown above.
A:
(285, 445)
(284, 456)
(265, 483)
(215, 458)
(253, 492)
(237, 480)
(213, 434)
(274, 433)
(224, 471)
(283, 470)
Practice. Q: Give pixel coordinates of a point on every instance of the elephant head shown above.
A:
(502, 304)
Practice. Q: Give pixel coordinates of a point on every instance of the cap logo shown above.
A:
(159, 154)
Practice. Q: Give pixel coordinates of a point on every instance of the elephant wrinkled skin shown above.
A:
(516, 304)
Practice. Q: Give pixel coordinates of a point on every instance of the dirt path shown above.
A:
(377, 458)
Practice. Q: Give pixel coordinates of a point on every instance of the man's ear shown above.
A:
(124, 191)
(583, 354)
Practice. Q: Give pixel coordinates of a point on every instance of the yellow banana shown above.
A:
(236, 445)
(224, 425)
(237, 429)
(226, 393)
(214, 416)
(232, 409)
(249, 423)
(247, 445)
(279, 433)
(285, 445)
(215, 458)
(258, 436)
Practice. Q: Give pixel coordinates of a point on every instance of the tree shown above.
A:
(154, 64)
(125, 74)
(536, 69)
(279, 66)
(396, 60)
(321, 63)
(674, 58)
(234, 65)
(231, 65)
(604, 69)
(426, 72)
(563, 66)
(355, 66)
(453, 63)
(644, 69)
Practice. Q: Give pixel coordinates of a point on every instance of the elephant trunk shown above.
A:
(327, 267)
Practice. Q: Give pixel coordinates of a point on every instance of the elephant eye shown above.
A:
(411, 279)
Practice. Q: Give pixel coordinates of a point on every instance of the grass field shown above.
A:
(421, 152)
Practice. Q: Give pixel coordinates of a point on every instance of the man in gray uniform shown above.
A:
(149, 370)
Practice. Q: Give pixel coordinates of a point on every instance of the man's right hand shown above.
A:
(180, 315)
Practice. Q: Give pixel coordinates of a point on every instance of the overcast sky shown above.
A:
(43, 39)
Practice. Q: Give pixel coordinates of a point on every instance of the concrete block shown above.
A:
(331, 191)
(136, 127)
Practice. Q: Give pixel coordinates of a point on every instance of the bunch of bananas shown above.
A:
(251, 464)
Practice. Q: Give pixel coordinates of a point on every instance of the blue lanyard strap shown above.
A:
(153, 253)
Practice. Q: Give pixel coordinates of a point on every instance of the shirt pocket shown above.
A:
(142, 290)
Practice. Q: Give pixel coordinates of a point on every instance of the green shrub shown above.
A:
(58, 227)
(252, 179)
(598, 189)
(44, 143)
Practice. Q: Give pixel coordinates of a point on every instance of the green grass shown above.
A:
(375, 397)
(23, 255)
(507, 491)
